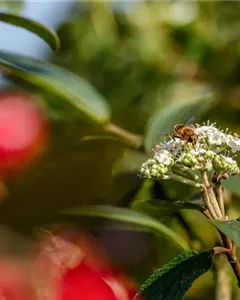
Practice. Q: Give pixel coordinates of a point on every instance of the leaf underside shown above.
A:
(173, 280)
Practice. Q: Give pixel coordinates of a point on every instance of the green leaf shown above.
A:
(232, 184)
(12, 6)
(230, 228)
(172, 280)
(161, 208)
(126, 180)
(125, 215)
(48, 35)
(75, 90)
(65, 177)
(177, 112)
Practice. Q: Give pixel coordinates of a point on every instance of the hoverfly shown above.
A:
(185, 132)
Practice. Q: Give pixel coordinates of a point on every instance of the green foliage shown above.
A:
(175, 278)
(165, 118)
(230, 228)
(75, 90)
(233, 184)
(147, 52)
(125, 215)
(160, 208)
(48, 35)
(63, 178)
(145, 69)
(126, 180)
(12, 6)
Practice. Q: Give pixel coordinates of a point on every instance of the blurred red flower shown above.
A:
(85, 283)
(14, 284)
(82, 272)
(23, 131)
(68, 265)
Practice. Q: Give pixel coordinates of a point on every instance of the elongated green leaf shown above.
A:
(177, 112)
(79, 93)
(173, 280)
(48, 35)
(230, 228)
(128, 216)
(161, 208)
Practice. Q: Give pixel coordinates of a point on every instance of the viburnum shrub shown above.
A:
(94, 162)
(204, 164)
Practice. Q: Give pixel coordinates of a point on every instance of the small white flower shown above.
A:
(234, 144)
(167, 146)
(211, 129)
(196, 152)
(174, 146)
(202, 151)
(163, 157)
(216, 138)
(204, 131)
(178, 145)
(229, 160)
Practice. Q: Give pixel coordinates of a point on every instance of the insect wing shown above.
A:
(190, 121)
(165, 133)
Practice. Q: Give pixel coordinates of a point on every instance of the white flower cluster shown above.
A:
(159, 166)
(214, 149)
(216, 139)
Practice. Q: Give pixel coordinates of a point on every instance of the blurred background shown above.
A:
(157, 63)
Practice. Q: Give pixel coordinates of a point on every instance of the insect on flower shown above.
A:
(184, 132)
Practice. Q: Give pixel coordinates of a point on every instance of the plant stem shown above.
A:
(191, 174)
(219, 195)
(207, 213)
(185, 180)
(234, 262)
(208, 190)
(135, 141)
(231, 255)
(187, 172)
(181, 173)
(217, 210)
(208, 203)
(222, 278)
